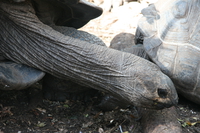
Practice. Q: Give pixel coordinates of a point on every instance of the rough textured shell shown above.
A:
(171, 31)
(75, 13)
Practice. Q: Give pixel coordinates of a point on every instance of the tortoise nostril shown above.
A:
(162, 93)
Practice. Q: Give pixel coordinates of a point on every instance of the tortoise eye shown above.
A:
(162, 93)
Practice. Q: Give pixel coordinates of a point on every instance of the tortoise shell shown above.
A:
(70, 13)
(171, 37)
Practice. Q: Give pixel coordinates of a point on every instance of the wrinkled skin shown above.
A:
(152, 121)
(29, 40)
(171, 39)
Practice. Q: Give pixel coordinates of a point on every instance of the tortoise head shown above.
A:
(156, 90)
(153, 88)
(166, 95)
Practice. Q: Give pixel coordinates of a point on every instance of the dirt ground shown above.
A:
(26, 110)
(23, 111)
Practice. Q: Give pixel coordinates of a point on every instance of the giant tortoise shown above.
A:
(170, 37)
(36, 33)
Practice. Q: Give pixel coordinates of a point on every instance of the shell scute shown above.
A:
(195, 36)
(172, 41)
(187, 68)
(165, 58)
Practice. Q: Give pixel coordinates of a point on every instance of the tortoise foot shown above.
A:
(56, 89)
(15, 76)
(108, 102)
(61, 96)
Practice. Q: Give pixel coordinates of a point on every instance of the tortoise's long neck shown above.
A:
(24, 39)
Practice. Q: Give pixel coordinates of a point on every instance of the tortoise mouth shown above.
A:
(162, 105)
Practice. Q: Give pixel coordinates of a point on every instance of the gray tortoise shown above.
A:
(170, 33)
(36, 33)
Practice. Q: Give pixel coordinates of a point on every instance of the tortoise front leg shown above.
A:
(14, 76)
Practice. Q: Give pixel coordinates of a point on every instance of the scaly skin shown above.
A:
(25, 39)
